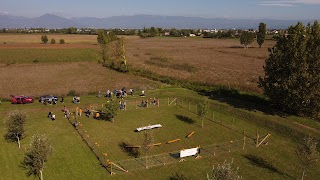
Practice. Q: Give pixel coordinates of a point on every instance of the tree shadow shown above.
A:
(250, 102)
(239, 46)
(262, 163)
(185, 119)
(134, 152)
(26, 166)
(178, 176)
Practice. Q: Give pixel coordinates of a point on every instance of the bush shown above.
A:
(72, 93)
(62, 41)
(53, 41)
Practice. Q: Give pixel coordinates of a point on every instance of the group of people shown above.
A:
(153, 101)
(119, 93)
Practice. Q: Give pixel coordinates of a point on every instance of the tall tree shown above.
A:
(37, 155)
(292, 71)
(202, 111)
(246, 38)
(15, 126)
(261, 36)
(121, 52)
(308, 152)
(103, 39)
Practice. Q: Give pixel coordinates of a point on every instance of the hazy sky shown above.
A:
(257, 9)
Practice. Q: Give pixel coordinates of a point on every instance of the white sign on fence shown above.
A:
(188, 152)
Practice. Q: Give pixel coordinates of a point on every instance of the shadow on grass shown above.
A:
(178, 176)
(175, 155)
(134, 152)
(242, 47)
(260, 162)
(185, 119)
(250, 102)
(26, 166)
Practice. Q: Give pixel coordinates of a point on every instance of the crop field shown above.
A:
(73, 159)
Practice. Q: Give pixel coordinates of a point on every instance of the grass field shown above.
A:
(30, 68)
(72, 159)
(213, 61)
(59, 78)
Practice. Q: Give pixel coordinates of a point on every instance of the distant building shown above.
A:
(167, 33)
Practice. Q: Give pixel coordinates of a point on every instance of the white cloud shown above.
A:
(276, 4)
(288, 3)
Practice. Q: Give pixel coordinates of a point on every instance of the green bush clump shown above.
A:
(72, 93)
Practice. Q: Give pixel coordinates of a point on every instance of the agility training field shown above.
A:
(84, 153)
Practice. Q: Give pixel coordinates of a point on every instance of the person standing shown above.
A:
(80, 112)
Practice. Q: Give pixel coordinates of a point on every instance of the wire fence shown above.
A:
(174, 157)
(227, 121)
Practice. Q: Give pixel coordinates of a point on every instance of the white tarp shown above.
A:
(188, 152)
(149, 127)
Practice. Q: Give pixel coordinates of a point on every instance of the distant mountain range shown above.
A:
(140, 21)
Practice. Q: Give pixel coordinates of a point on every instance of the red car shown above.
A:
(21, 100)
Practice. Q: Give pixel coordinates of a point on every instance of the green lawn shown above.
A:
(72, 159)
(30, 55)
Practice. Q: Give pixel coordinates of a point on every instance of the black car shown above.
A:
(48, 98)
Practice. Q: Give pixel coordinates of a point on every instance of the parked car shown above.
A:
(48, 98)
(21, 100)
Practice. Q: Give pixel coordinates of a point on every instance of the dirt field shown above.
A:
(205, 60)
(58, 79)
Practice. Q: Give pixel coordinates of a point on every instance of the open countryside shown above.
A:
(167, 90)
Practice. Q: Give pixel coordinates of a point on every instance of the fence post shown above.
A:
(213, 115)
(257, 140)
(158, 102)
(244, 139)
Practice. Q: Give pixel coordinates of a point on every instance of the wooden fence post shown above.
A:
(244, 139)
(213, 115)
(158, 102)
(257, 140)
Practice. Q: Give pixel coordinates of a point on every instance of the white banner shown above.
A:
(188, 152)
